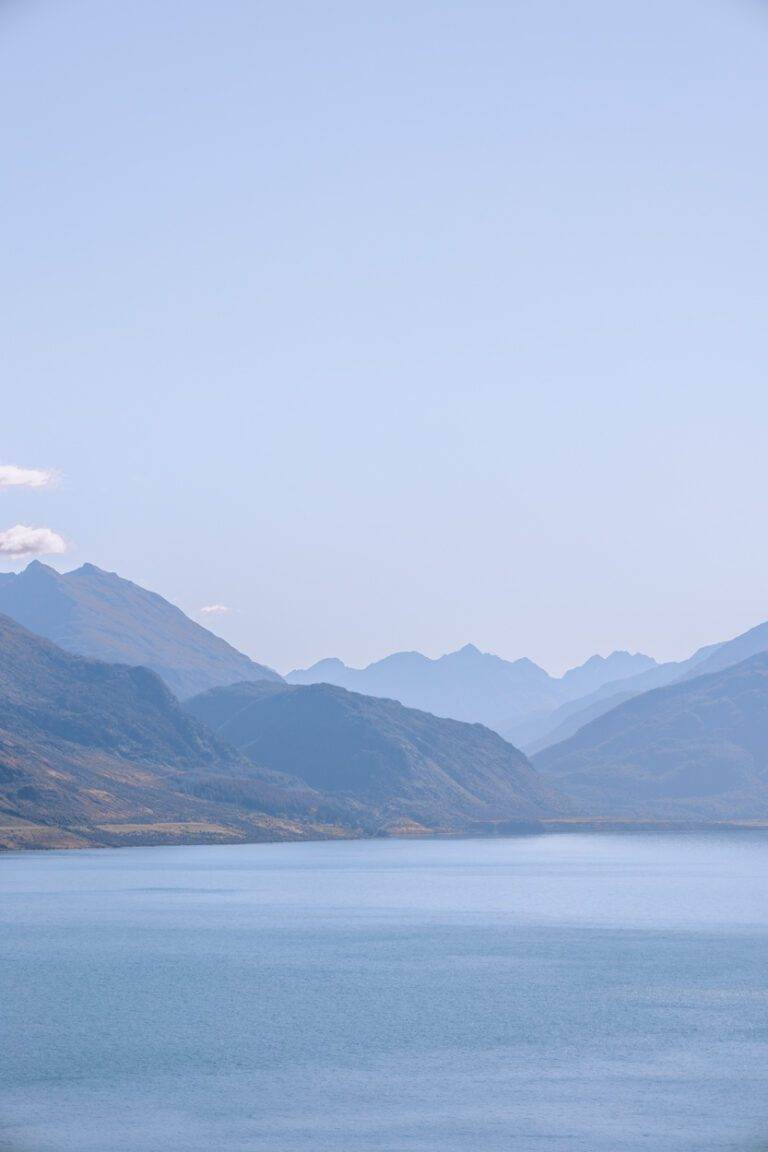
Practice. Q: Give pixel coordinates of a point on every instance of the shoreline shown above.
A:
(41, 838)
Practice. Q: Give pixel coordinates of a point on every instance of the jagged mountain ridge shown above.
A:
(470, 685)
(543, 732)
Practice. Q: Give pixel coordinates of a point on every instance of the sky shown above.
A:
(392, 325)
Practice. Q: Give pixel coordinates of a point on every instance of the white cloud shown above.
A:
(20, 541)
(215, 609)
(11, 476)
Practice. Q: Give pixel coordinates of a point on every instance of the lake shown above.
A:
(575, 992)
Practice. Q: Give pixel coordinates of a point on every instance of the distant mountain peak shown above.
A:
(625, 654)
(466, 684)
(598, 670)
(328, 663)
(101, 615)
(592, 662)
(94, 570)
(36, 569)
(526, 662)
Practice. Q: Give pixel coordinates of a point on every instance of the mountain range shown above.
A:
(98, 614)
(695, 749)
(96, 748)
(472, 685)
(404, 768)
(559, 725)
(100, 753)
(518, 699)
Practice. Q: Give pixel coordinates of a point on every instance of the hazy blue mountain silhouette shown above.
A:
(720, 656)
(403, 767)
(99, 614)
(543, 731)
(470, 685)
(694, 749)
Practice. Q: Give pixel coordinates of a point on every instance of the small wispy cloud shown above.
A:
(215, 609)
(12, 476)
(21, 541)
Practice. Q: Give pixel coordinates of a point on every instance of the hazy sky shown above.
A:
(398, 324)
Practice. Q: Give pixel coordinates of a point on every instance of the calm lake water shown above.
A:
(595, 993)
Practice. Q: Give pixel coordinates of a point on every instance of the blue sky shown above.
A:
(395, 325)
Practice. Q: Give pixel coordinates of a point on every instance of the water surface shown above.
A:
(582, 993)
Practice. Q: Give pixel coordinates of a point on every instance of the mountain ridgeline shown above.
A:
(696, 749)
(543, 732)
(96, 749)
(98, 614)
(474, 686)
(98, 753)
(405, 769)
(518, 699)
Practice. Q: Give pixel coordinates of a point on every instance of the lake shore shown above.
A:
(22, 836)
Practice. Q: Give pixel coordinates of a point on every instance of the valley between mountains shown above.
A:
(122, 721)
